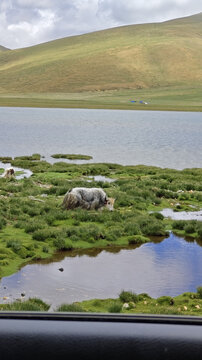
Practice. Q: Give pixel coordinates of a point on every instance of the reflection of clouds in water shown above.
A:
(170, 267)
(177, 264)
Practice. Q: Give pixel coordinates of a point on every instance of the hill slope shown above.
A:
(136, 56)
(2, 48)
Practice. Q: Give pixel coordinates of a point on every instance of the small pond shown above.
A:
(168, 266)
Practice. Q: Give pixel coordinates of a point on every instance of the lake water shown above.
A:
(168, 266)
(165, 139)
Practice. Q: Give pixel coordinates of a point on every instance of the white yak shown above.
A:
(87, 198)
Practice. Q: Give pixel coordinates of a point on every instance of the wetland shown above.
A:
(154, 231)
(136, 239)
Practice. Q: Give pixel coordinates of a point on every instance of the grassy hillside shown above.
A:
(2, 48)
(140, 57)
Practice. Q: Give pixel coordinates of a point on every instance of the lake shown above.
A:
(160, 138)
(168, 266)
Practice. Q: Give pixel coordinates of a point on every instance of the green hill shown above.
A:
(147, 56)
(2, 48)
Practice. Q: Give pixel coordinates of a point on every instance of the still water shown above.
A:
(168, 266)
(160, 138)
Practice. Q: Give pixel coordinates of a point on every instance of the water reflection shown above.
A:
(169, 267)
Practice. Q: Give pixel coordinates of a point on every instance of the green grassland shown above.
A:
(33, 224)
(158, 63)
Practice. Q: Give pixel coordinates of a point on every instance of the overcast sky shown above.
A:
(29, 22)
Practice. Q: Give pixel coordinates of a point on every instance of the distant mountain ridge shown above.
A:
(127, 57)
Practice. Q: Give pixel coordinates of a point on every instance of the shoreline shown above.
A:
(55, 105)
(188, 303)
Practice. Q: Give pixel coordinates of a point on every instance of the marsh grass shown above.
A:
(72, 156)
(33, 304)
(41, 227)
(70, 308)
(184, 304)
(115, 307)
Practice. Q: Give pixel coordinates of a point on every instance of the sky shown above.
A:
(29, 22)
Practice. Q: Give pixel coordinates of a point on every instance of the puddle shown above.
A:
(182, 215)
(26, 172)
(100, 178)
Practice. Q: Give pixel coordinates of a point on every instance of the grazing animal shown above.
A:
(87, 198)
(9, 172)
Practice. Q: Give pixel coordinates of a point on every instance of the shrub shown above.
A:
(33, 304)
(179, 224)
(15, 245)
(132, 228)
(144, 296)
(75, 238)
(43, 234)
(32, 211)
(4, 262)
(189, 228)
(49, 219)
(157, 215)
(32, 226)
(128, 296)
(115, 308)
(113, 233)
(20, 224)
(199, 229)
(90, 230)
(45, 249)
(152, 227)
(23, 253)
(70, 308)
(2, 223)
(199, 292)
(163, 300)
(137, 239)
(59, 243)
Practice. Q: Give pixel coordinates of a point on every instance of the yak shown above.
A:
(87, 198)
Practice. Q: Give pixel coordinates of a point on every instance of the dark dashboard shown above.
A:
(99, 336)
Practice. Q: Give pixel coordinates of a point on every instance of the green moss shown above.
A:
(72, 156)
(28, 157)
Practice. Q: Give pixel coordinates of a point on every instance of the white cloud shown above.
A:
(28, 22)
